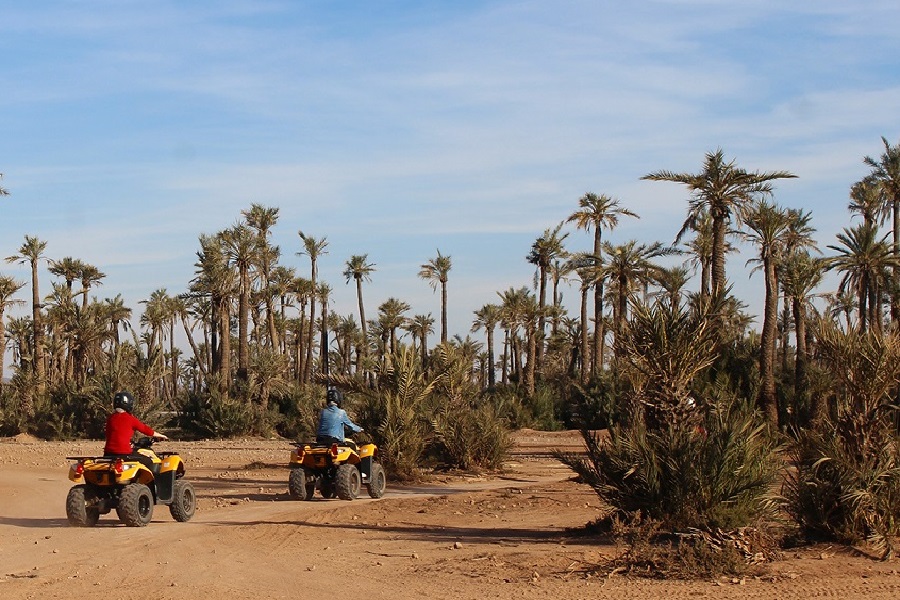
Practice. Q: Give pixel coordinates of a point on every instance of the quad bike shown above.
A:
(336, 470)
(132, 485)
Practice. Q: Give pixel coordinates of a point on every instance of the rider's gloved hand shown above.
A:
(160, 436)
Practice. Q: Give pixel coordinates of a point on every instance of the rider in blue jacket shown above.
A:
(333, 419)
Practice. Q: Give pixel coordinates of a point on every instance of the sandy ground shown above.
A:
(510, 535)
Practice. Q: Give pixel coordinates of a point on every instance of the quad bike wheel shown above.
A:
(77, 510)
(135, 507)
(184, 501)
(297, 485)
(347, 481)
(377, 481)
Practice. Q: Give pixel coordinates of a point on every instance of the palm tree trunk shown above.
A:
(767, 398)
(585, 359)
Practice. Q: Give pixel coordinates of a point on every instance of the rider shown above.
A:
(333, 419)
(121, 425)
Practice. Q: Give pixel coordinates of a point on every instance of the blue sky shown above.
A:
(127, 129)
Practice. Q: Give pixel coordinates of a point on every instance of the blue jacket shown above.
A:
(332, 421)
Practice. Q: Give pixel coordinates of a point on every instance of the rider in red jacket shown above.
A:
(121, 425)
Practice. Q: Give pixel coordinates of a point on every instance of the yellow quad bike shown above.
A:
(130, 485)
(336, 470)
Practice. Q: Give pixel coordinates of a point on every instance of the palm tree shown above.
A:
(240, 244)
(390, 317)
(488, 316)
(864, 259)
(768, 225)
(117, 314)
(801, 273)
(215, 280)
(798, 237)
(598, 212)
(630, 267)
(840, 304)
(720, 189)
(867, 199)
(886, 172)
(32, 251)
(313, 248)
(582, 264)
(68, 268)
(89, 276)
(436, 271)
(3, 191)
(262, 219)
(159, 317)
(359, 269)
(323, 291)
(513, 308)
(281, 281)
(8, 287)
(544, 251)
(672, 280)
(420, 326)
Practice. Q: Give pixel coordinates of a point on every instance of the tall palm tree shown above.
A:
(323, 291)
(864, 258)
(672, 280)
(544, 251)
(720, 189)
(117, 314)
(304, 291)
(262, 219)
(630, 267)
(159, 317)
(390, 318)
(513, 308)
(216, 280)
(596, 212)
(488, 316)
(8, 287)
(582, 264)
(241, 248)
(281, 281)
(313, 248)
(436, 272)
(89, 276)
(360, 269)
(768, 225)
(420, 326)
(886, 172)
(801, 273)
(867, 199)
(32, 251)
(68, 268)
(3, 191)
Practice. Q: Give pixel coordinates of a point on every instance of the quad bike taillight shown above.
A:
(79, 468)
(119, 466)
(334, 450)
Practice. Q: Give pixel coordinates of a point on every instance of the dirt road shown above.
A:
(506, 536)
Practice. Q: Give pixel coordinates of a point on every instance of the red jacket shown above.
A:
(120, 426)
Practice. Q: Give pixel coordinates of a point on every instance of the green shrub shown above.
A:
(845, 484)
(714, 475)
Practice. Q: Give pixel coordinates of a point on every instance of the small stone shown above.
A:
(457, 545)
(415, 556)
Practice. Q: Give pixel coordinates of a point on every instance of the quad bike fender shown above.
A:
(298, 454)
(368, 451)
(172, 463)
(74, 475)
